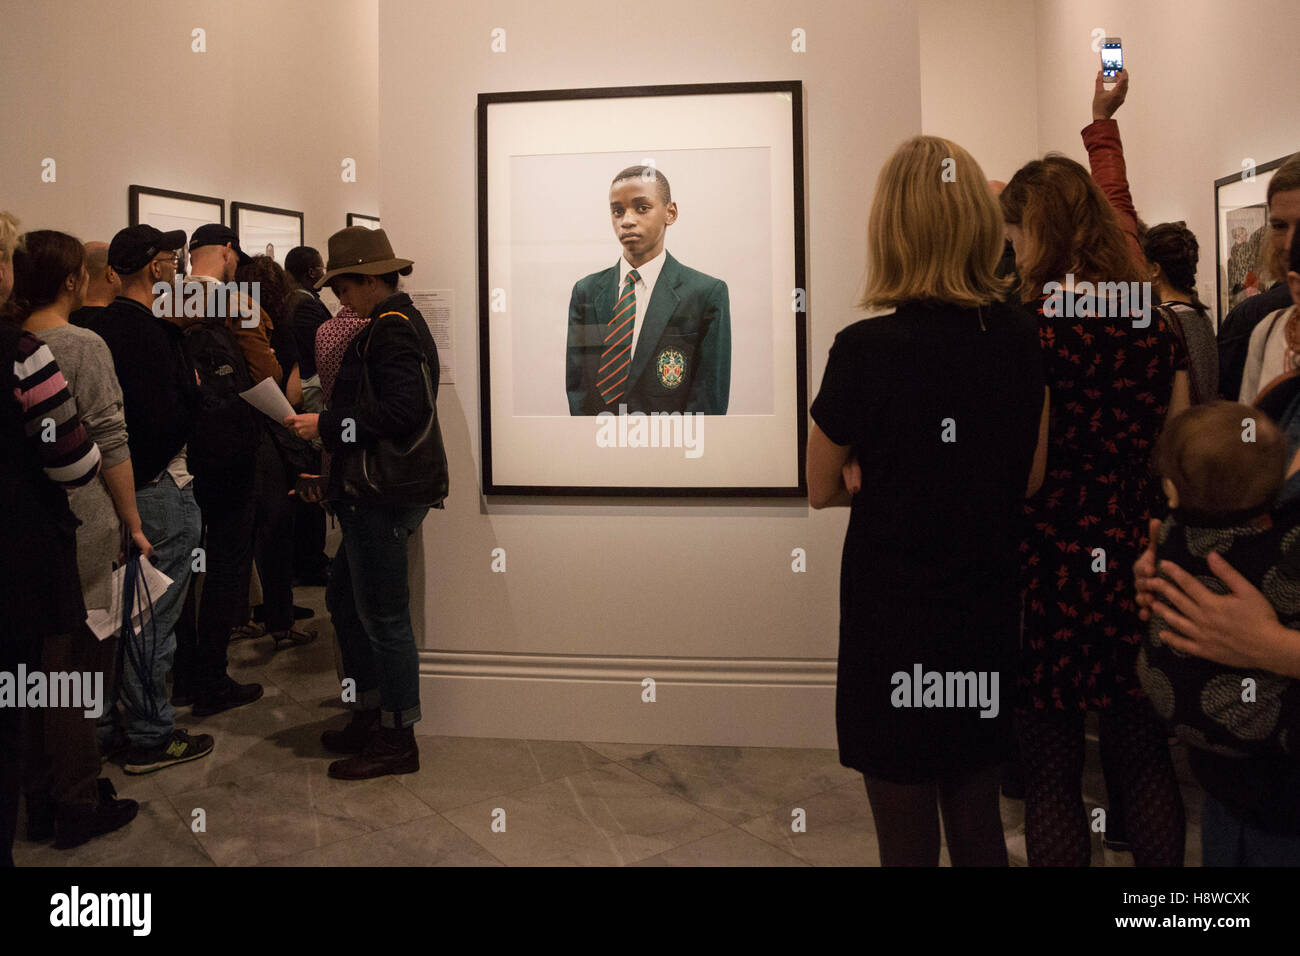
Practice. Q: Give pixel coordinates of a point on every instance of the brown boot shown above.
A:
(352, 738)
(388, 751)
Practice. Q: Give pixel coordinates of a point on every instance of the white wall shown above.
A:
(113, 92)
(743, 648)
(1212, 83)
(978, 79)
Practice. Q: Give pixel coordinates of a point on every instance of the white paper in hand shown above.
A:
(267, 398)
(107, 623)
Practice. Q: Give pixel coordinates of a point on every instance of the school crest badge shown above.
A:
(671, 368)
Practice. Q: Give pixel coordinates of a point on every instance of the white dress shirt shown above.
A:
(642, 290)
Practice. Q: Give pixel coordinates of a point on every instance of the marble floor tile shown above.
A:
(425, 841)
(740, 783)
(617, 752)
(840, 831)
(158, 836)
(730, 847)
(268, 734)
(455, 771)
(607, 816)
(256, 819)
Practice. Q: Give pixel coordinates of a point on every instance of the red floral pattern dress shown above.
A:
(1110, 387)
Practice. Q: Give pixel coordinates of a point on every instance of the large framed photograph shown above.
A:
(168, 209)
(360, 219)
(265, 230)
(1243, 254)
(641, 291)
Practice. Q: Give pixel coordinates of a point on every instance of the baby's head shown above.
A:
(1221, 457)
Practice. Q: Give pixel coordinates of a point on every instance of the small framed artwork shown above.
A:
(168, 209)
(1243, 253)
(265, 230)
(359, 219)
(641, 291)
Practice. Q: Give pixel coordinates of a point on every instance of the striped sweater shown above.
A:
(50, 417)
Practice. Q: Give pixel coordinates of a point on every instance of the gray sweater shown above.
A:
(88, 366)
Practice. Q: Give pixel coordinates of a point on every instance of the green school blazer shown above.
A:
(682, 361)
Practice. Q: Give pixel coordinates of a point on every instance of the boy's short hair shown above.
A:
(1204, 452)
(646, 173)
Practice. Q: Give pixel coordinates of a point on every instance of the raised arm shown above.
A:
(1106, 156)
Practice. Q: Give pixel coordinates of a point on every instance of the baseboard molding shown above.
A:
(704, 701)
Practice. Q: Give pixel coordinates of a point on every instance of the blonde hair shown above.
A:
(8, 235)
(935, 230)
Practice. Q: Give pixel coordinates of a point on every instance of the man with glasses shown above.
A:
(160, 399)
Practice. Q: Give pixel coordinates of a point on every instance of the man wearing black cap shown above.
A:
(159, 398)
(226, 497)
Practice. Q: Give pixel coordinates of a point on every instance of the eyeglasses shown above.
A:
(173, 258)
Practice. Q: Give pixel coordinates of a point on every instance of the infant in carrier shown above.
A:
(1223, 465)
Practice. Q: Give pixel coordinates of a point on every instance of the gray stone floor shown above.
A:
(266, 798)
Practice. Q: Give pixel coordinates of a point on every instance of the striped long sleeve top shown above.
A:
(50, 417)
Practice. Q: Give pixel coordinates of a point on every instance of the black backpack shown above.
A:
(227, 429)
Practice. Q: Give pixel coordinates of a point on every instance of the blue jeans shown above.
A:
(169, 517)
(369, 600)
(1228, 841)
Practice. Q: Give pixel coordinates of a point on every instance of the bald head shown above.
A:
(105, 284)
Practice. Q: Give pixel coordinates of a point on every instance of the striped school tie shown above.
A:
(616, 358)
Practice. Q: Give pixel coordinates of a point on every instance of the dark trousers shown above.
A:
(309, 558)
(13, 651)
(228, 546)
(274, 546)
(62, 751)
(369, 601)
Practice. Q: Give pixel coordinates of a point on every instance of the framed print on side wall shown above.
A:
(360, 219)
(168, 209)
(687, 380)
(265, 230)
(1241, 241)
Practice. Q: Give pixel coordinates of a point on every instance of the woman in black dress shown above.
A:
(942, 405)
(1116, 372)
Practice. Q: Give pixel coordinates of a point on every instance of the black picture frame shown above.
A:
(1223, 294)
(138, 198)
(796, 486)
(280, 221)
(362, 219)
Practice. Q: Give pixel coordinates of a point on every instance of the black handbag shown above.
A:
(414, 470)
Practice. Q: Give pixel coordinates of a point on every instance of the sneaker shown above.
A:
(180, 748)
(76, 826)
(233, 695)
(113, 750)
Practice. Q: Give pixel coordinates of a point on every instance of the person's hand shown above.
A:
(141, 542)
(1234, 629)
(852, 472)
(308, 488)
(304, 426)
(1105, 102)
(1144, 570)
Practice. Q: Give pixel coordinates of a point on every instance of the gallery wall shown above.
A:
(741, 646)
(114, 92)
(978, 79)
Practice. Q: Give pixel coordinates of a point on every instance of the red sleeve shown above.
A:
(1106, 157)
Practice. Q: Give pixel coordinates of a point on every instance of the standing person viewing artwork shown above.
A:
(929, 426)
(1115, 372)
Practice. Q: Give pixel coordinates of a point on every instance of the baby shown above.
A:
(1223, 465)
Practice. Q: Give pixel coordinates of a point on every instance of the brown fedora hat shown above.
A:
(357, 249)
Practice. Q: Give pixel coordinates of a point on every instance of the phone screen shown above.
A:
(1112, 58)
